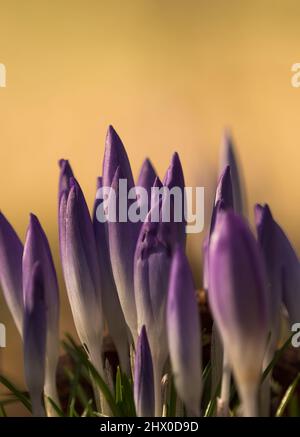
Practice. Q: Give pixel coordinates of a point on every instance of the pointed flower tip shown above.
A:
(112, 138)
(143, 377)
(174, 175)
(115, 155)
(224, 191)
(263, 217)
(66, 173)
(99, 182)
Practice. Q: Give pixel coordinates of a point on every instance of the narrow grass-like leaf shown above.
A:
(287, 396)
(58, 411)
(78, 353)
(23, 397)
(2, 410)
(118, 386)
(172, 401)
(88, 409)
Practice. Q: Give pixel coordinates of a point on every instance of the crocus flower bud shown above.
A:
(283, 267)
(143, 377)
(34, 337)
(183, 327)
(66, 174)
(151, 276)
(122, 234)
(147, 178)
(223, 200)
(239, 302)
(174, 180)
(81, 270)
(228, 157)
(113, 313)
(11, 251)
(37, 249)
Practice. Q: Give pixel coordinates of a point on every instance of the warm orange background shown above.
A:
(168, 74)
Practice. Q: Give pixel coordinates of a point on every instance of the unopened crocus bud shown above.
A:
(183, 327)
(283, 267)
(37, 249)
(151, 275)
(122, 232)
(239, 302)
(223, 200)
(228, 157)
(174, 181)
(81, 270)
(11, 252)
(112, 310)
(143, 377)
(34, 337)
(147, 179)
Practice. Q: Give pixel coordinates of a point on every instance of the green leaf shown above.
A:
(276, 357)
(58, 411)
(20, 395)
(287, 396)
(78, 353)
(173, 398)
(118, 386)
(2, 410)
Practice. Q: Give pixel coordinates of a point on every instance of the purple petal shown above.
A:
(81, 269)
(37, 248)
(283, 266)
(122, 237)
(238, 295)
(34, 336)
(11, 252)
(183, 327)
(174, 178)
(66, 174)
(143, 377)
(269, 243)
(115, 156)
(111, 304)
(151, 276)
(224, 196)
(147, 177)
(229, 158)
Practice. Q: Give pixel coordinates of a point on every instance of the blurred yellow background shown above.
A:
(168, 75)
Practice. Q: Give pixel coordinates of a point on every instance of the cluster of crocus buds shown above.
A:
(135, 279)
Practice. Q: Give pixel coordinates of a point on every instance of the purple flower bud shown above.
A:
(228, 157)
(239, 301)
(224, 196)
(151, 275)
(11, 251)
(111, 304)
(174, 178)
(143, 377)
(122, 235)
(36, 249)
(223, 201)
(34, 336)
(115, 156)
(283, 267)
(147, 177)
(81, 270)
(183, 328)
(66, 174)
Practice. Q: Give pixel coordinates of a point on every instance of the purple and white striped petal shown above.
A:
(183, 326)
(11, 252)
